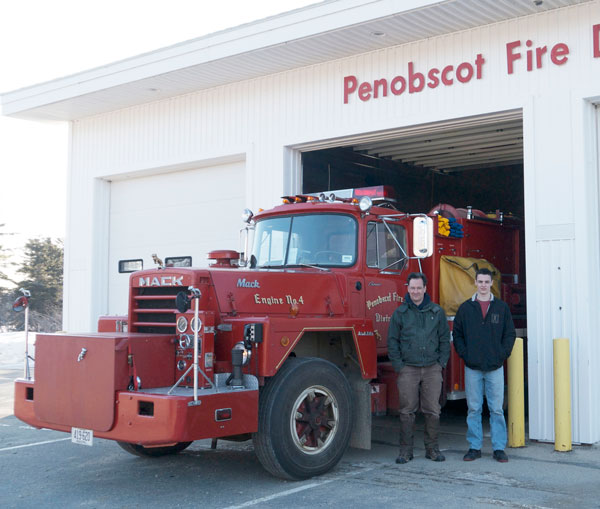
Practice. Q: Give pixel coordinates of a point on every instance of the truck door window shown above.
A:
(383, 252)
(309, 239)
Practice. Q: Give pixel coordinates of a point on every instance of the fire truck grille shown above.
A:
(154, 310)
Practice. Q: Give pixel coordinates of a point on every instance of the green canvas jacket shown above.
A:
(418, 337)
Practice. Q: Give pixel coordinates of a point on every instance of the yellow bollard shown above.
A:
(562, 395)
(516, 396)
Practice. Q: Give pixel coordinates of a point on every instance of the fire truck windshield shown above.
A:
(309, 239)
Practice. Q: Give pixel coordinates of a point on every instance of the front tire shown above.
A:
(140, 450)
(304, 420)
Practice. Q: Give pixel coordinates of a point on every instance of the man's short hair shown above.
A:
(484, 272)
(417, 275)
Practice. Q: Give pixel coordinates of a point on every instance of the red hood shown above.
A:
(246, 292)
(257, 292)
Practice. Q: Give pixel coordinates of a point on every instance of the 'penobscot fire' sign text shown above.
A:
(519, 56)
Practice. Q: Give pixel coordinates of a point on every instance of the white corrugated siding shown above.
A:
(553, 294)
(260, 117)
(172, 214)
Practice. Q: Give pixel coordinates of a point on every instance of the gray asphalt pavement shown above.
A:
(42, 468)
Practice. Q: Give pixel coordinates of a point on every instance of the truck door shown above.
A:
(384, 280)
(343, 245)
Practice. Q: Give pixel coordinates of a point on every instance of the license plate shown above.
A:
(82, 436)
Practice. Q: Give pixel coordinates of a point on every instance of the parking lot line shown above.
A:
(280, 494)
(33, 445)
(296, 490)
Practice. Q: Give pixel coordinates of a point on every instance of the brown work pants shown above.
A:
(419, 387)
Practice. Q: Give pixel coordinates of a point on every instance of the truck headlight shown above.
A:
(196, 325)
(247, 215)
(365, 204)
(182, 324)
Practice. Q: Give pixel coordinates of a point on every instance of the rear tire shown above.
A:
(304, 419)
(140, 450)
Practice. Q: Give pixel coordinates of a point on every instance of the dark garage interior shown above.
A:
(479, 166)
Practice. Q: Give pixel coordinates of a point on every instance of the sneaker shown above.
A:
(434, 454)
(404, 457)
(472, 455)
(500, 455)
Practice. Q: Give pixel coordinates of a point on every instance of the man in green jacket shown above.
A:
(419, 347)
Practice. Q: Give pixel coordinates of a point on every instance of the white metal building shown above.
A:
(168, 147)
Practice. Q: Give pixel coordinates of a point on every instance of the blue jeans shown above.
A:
(490, 383)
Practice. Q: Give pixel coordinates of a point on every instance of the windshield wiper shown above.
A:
(311, 266)
(293, 265)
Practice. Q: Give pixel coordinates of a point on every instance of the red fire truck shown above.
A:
(283, 345)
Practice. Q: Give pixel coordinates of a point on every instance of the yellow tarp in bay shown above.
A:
(457, 280)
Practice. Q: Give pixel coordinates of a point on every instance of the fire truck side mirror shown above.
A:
(182, 302)
(422, 236)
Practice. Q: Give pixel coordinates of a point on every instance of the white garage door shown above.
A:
(186, 213)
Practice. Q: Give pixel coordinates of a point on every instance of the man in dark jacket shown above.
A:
(419, 347)
(484, 335)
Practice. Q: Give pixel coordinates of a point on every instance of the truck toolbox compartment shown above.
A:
(77, 375)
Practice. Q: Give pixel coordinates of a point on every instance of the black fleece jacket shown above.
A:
(484, 344)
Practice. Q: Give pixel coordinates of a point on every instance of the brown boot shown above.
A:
(434, 454)
(407, 425)
(432, 431)
(404, 457)
(406, 438)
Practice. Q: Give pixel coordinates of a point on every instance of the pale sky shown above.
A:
(42, 40)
